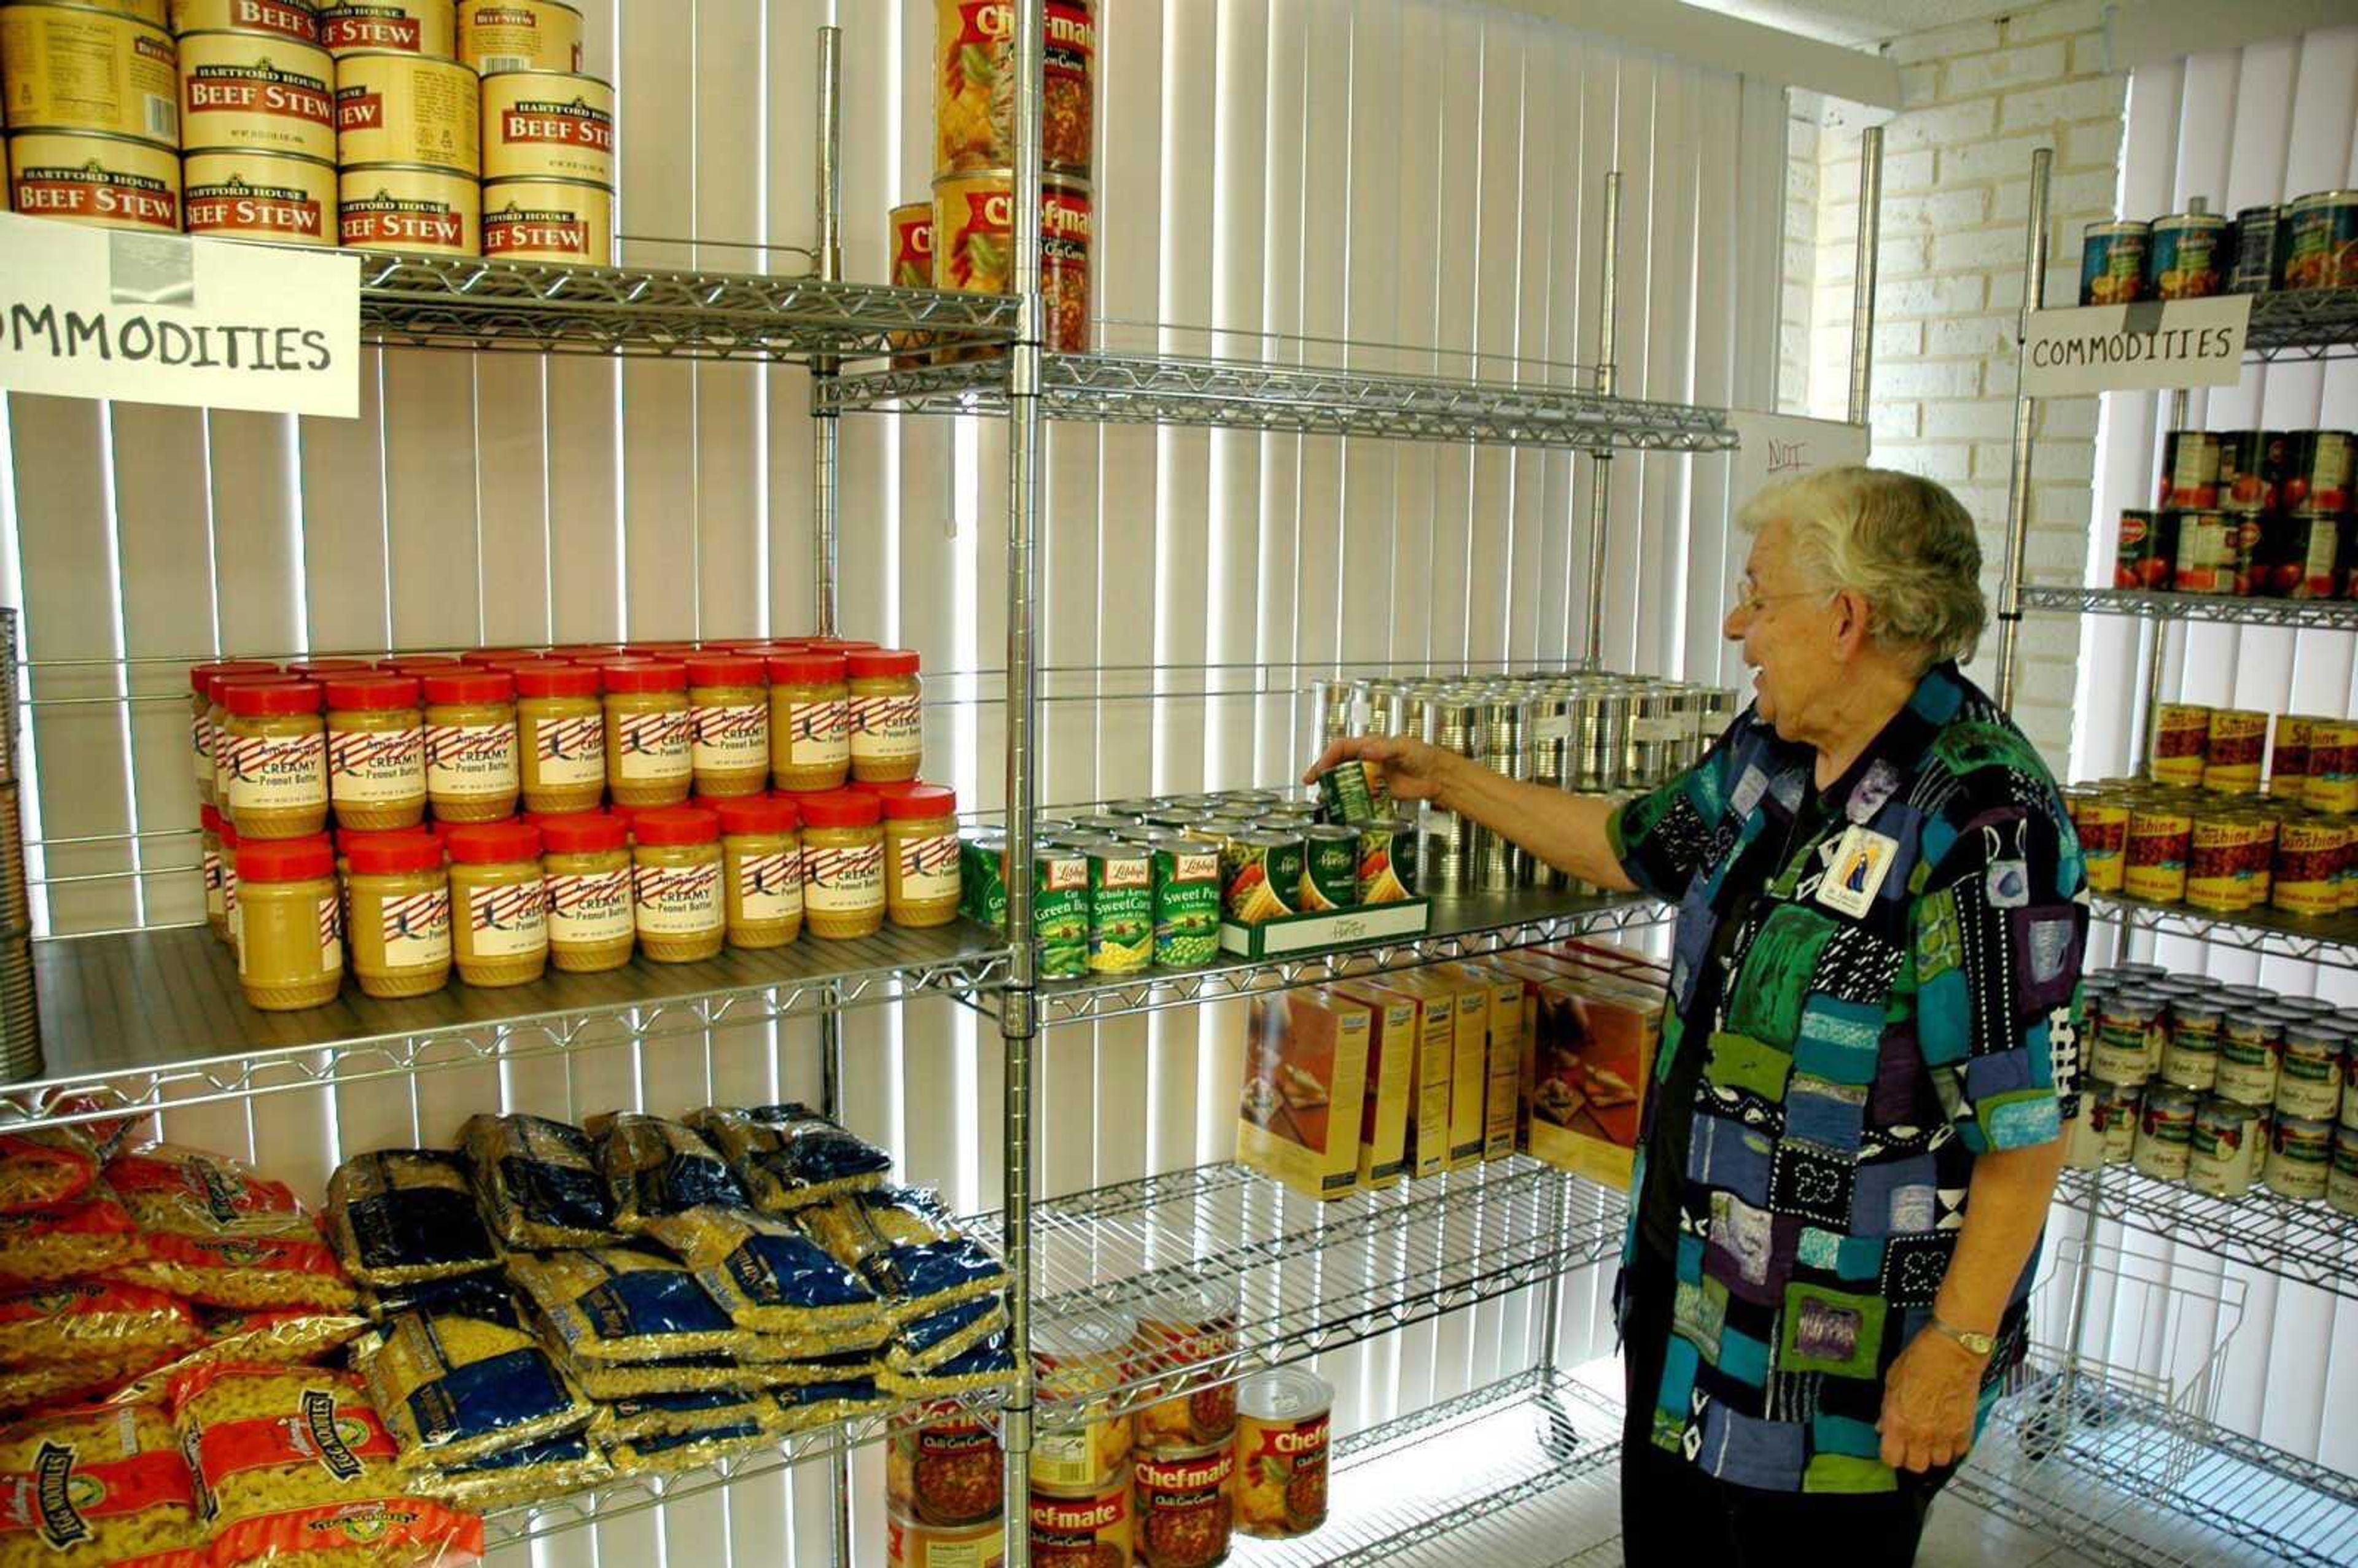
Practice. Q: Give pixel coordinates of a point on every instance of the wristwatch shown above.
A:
(1979, 1343)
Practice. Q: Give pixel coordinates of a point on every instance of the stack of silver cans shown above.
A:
(20, 1024)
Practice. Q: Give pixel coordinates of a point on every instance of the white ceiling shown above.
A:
(1859, 23)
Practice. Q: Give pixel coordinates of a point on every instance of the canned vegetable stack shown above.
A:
(92, 109)
(2311, 241)
(2260, 513)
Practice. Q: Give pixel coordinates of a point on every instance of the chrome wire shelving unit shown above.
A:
(2268, 932)
(2304, 324)
(2305, 1242)
(2324, 614)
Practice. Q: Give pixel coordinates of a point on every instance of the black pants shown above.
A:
(1674, 1513)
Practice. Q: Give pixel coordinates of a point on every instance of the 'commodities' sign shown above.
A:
(88, 312)
(2120, 347)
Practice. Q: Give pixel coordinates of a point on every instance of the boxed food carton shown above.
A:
(1467, 1003)
(1391, 1083)
(1503, 1068)
(1305, 1091)
(1432, 1047)
(1592, 1025)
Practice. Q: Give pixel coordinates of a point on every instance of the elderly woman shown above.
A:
(1853, 1128)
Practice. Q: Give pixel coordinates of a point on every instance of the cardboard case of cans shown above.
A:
(2258, 513)
(2311, 241)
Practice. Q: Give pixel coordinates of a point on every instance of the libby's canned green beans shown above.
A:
(982, 880)
(1121, 908)
(1330, 867)
(1186, 903)
(1060, 912)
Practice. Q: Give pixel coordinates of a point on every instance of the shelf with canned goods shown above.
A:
(2306, 1242)
(2268, 932)
(465, 303)
(139, 1019)
(2339, 615)
(2303, 323)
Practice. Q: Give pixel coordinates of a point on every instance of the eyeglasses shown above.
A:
(1750, 601)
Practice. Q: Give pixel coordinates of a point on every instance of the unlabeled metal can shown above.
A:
(66, 67)
(409, 207)
(114, 182)
(519, 35)
(2262, 237)
(427, 27)
(242, 195)
(2301, 1150)
(240, 90)
(549, 126)
(280, 18)
(2322, 249)
(400, 109)
(568, 220)
(2224, 1156)
(2186, 256)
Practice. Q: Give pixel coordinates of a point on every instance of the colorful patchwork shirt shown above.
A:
(1883, 983)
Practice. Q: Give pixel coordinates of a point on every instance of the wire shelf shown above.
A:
(2265, 931)
(2303, 323)
(2325, 613)
(134, 1021)
(437, 302)
(2303, 1241)
(1153, 389)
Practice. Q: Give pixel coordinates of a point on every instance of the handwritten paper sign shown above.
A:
(1775, 446)
(2152, 347)
(90, 312)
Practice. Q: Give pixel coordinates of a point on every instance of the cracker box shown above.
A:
(1305, 1091)
(1503, 1067)
(1391, 1079)
(1432, 1050)
(1468, 1004)
(1590, 1034)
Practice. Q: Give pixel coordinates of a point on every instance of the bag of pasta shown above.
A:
(692, 1414)
(790, 1368)
(806, 1406)
(293, 1337)
(454, 1388)
(655, 1168)
(789, 1156)
(901, 1241)
(925, 1342)
(98, 1486)
(989, 1364)
(294, 1470)
(664, 1455)
(90, 1321)
(521, 1474)
(607, 1381)
(537, 1182)
(48, 1167)
(406, 1217)
(468, 1293)
(620, 1303)
(88, 1235)
(769, 1276)
(215, 1232)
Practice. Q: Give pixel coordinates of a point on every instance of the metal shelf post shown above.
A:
(1600, 494)
(2017, 490)
(1863, 273)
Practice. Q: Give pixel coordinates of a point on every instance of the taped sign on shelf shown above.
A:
(1772, 447)
(2156, 346)
(88, 312)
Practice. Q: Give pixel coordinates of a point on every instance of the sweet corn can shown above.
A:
(1387, 860)
(548, 125)
(1282, 1428)
(569, 220)
(1260, 875)
(244, 195)
(519, 35)
(396, 108)
(409, 207)
(68, 68)
(1121, 908)
(113, 182)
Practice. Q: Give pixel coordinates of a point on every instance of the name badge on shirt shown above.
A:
(1862, 858)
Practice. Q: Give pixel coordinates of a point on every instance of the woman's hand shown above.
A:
(1929, 1402)
(1410, 770)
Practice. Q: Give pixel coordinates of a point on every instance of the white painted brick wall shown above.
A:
(1979, 97)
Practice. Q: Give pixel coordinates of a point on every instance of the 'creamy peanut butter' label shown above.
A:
(591, 909)
(887, 729)
(844, 882)
(508, 922)
(571, 751)
(416, 930)
(769, 887)
(732, 737)
(376, 767)
(215, 901)
(471, 762)
(929, 868)
(679, 901)
(276, 773)
(200, 744)
(656, 747)
(818, 734)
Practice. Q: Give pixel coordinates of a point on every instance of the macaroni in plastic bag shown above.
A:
(900, 1240)
(95, 1318)
(516, 1476)
(45, 1168)
(789, 1156)
(215, 1232)
(87, 1237)
(469, 1292)
(654, 1169)
(923, 1343)
(809, 1405)
(537, 1182)
(989, 1365)
(83, 1487)
(289, 1337)
(454, 1389)
(294, 1470)
(680, 1415)
(406, 1216)
(687, 1451)
(618, 1303)
(796, 1371)
(768, 1275)
(608, 1381)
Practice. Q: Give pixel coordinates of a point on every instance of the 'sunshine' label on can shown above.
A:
(470, 760)
(769, 887)
(510, 922)
(376, 767)
(591, 909)
(417, 929)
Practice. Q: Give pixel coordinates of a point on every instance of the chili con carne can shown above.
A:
(974, 227)
(2317, 471)
(2112, 263)
(2160, 835)
(2262, 241)
(1122, 907)
(912, 1544)
(2301, 1150)
(1068, 235)
(1387, 860)
(1086, 1525)
(2181, 731)
(2186, 256)
(2190, 471)
(1061, 922)
(1186, 902)
(913, 267)
(1283, 1420)
(2145, 557)
(2223, 1150)
(1179, 1333)
(1330, 866)
(974, 99)
(2321, 250)
(943, 1466)
(1260, 876)
(1185, 1501)
(2165, 1133)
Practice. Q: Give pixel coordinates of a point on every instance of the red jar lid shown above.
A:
(286, 859)
(551, 677)
(757, 814)
(839, 809)
(264, 697)
(319, 669)
(487, 658)
(209, 819)
(493, 843)
(200, 675)
(590, 651)
(228, 835)
(663, 825)
(582, 833)
(923, 800)
(837, 644)
(807, 669)
(373, 692)
(515, 662)
(393, 854)
(644, 675)
(869, 663)
(217, 687)
(442, 830)
(419, 665)
(659, 649)
(469, 688)
(726, 669)
(880, 788)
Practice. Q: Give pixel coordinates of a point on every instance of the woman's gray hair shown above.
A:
(1903, 543)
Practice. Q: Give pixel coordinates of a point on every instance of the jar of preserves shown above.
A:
(290, 950)
(761, 870)
(471, 774)
(201, 714)
(921, 855)
(586, 862)
(398, 918)
(277, 759)
(810, 722)
(843, 864)
(649, 735)
(728, 712)
(676, 882)
(887, 714)
(216, 906)
(376, 752)
(560, 736)
(499, 912)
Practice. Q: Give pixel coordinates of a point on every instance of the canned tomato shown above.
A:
(2160, 835)
(2112, 263)
(913, 267)
(2309, 1071)
(1185, 1500)
(2214, 849)
(2165, 1133)
(2223, 1150)
(974, 101)
(2317, 471)
(2237, 740)
(944, 1471)
(2190, 1053)
(280, 18)
(1121, 908)
(2190, 471)
(280, 197)
(2186, 256)
(1060, 911)
(1260, 876)
(2246, 552)
(2321, 248)
(1083, 1363)
(399, 109)
(2248, 1044)
(2120, 1053)
(410, 209)
(2300, 1152)
(2205, 561)
(427, 28)
(114, 182)
(912, 1543)
(2332, 786)
(1087, 1527)
(1283, 1419)
(1179, 1333)
(2250, 464)
(2299, 553)
(1387, 860)
(544, 125)
(2147, 555)
(66, 67)
(268, 94)
(2181, 731)
(569, 220)
(1330, 866)
(519, 35)
(2262, 238)
(1188, 903)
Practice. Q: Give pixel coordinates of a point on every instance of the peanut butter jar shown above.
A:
(888, 720)
(290, 951)
(675, 883)
(843, 864)
(217, 718)
(921, 855)
(216, 899)
(376, 752)
(560, 735)
(472, 772)
(761, 871)
(729, 707)
(499, 912)
(810, 722)
(399, 918)
(277, 759)
(586, 865)
(650, 736)
(201, 714)
(230, 847)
